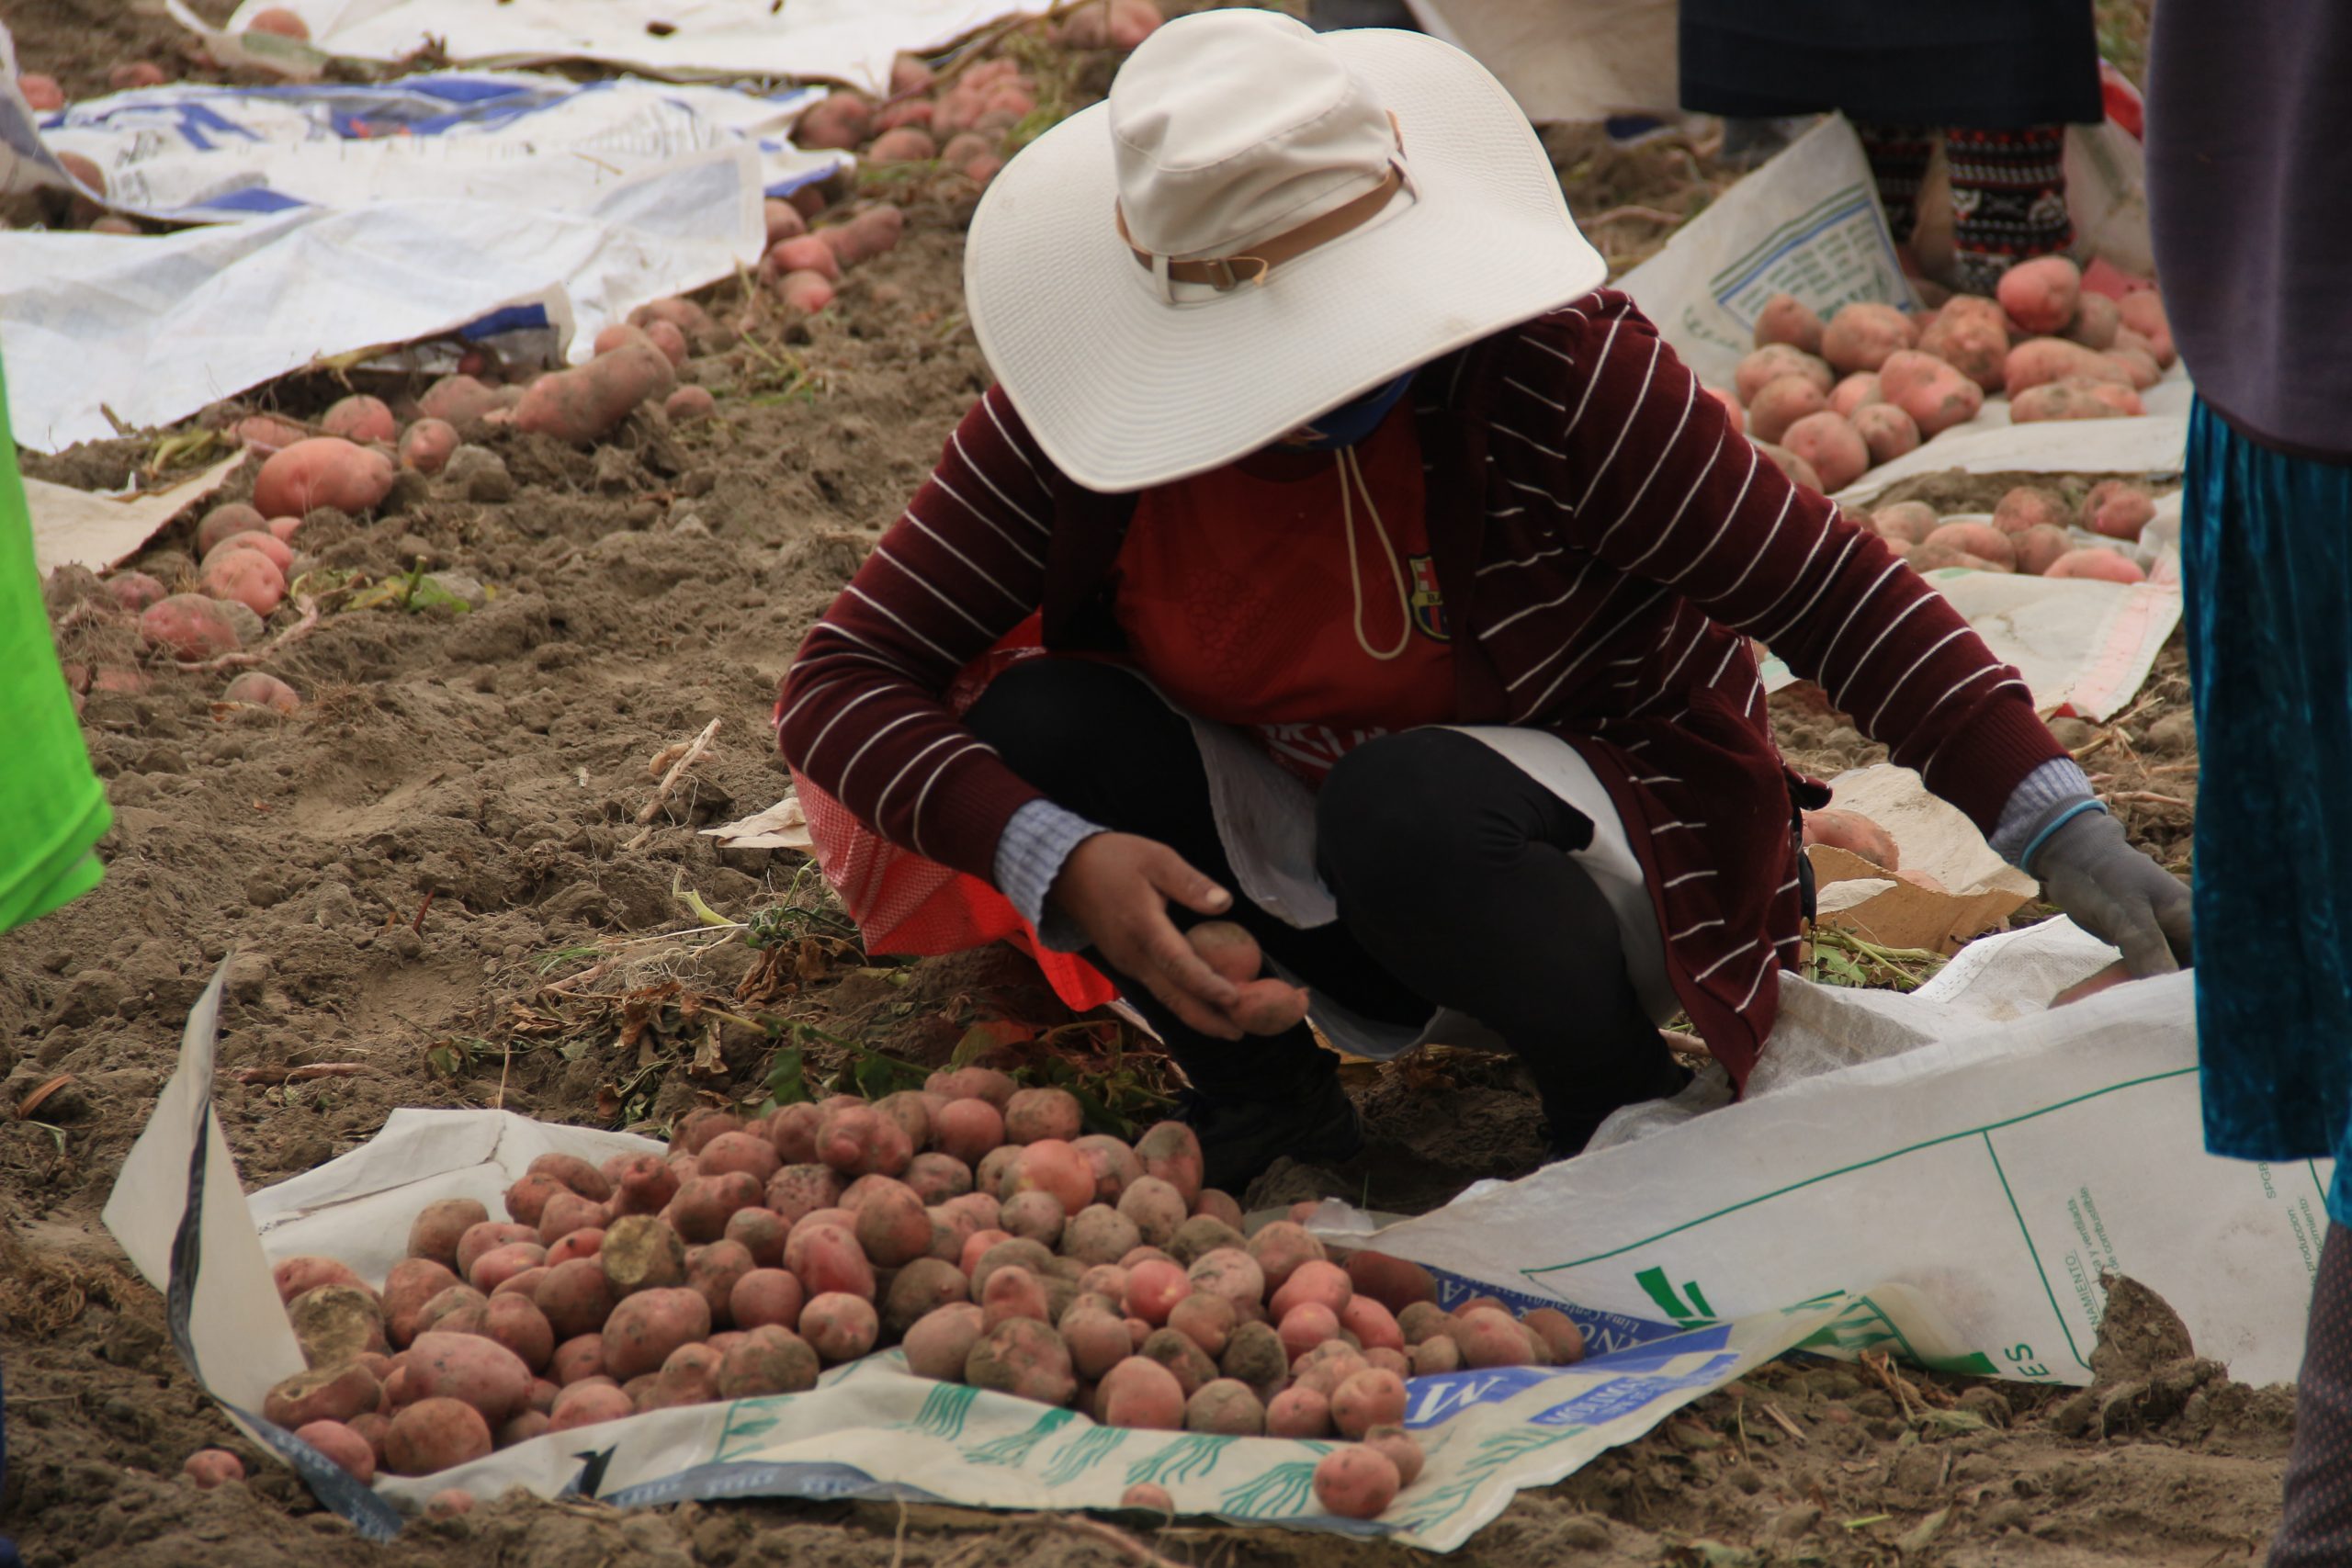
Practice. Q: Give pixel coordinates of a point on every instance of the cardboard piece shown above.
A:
(1931, 836)
(78, 528)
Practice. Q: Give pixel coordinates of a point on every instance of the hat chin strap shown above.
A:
(1227, 273)
(1351, 480)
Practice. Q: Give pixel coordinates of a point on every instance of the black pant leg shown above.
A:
(1101, 744)
(2316, 1528)
(1451, 869)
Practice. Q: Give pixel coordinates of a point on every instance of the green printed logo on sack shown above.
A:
(1085, 1452)
(1186, 1459)
(945, 1410)
(1015, 1448)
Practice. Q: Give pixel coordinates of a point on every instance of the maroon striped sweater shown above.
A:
(1605, 544)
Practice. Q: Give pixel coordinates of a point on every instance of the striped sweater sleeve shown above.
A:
(862, 713)
(1656, 483)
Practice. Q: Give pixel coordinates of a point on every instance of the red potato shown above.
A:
(486, 1236)
(977, 1246)
(360, 418)
(578, 1359)
(1024, 1357)
(713, 1270)
(1154, 1208)
(1887, 432)
(2137, 364)
(1784, 320)
(134, 591)
(278, 19)
(2118, 508)
(2029, 506)
(1324, 1283)
(1561, 1337)
(324, 1394)
(2039, 361)
(1206, 1320)
(2143, 313)
(2098, 563)
(1933, 393)
(1154, 1289)
(941, 1344)
(1490, 1337)
(188, 626)
(336, 1322)
(1100, 1235)
(1368, 1399)
(448, 1503)
(1298, 1413)
(245, 577)
(303, 1274)
(1142, 1395)
(695, 1130)
(323, 471)
(340, 1446)
(689, 403)
(427, 445)
(209, 1468)
(646, 1327)
(1781, 403)
(587, 1404)
(1356, 1481)
(906, 144)
(1035, 1114)
(1307, 1325)
(226, 522)
(1433, 1357)
(746, 1152)
(968, 1129)
(667, 337)
(1834, 448)
(1270, 1007)
(523, 1283)
(799, 1190)
(458, 400)
(575, 1298)
(2039, 547)
(2096, 320)
(911, 1112)
(1852, 831)
(1979, 539)
(973, 1083)
(434, 1434)
(412, 1283)
(135, 74)
(784, 220)
(42, 94)
(640, 1253)
(1012, 1293)
(1976, 346)
(1114, 1165)
(1229, 949)
(856, 1139)
(1281, 1246)
(1796, 469)
(768, 1361)
(1771, 363)
(792, 1130)
(1170, 1151)
(827, 1259)
(806, 254)
(566, 1212)
(1373, 1325)
(2041, 295)
(919, 1289)
(2074, 397)
(1860, 336)
(516, 1322)
(499, 1264)
(766, 1298)
(1400, 1448)
(1050, 1166)
(1859, 390)
(1229, 1272)
(587, 402)
(762, 1233)
(892, 1226)
(690, 1376)
(840, 121)
(261, 542)
(527, 1200)
(473, 1368)
(913, 111)
(1227, 1407)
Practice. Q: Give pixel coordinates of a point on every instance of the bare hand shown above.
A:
(1117, 887)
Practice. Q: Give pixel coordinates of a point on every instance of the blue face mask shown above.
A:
(1351, 422)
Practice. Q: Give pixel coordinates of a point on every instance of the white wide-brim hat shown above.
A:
(1232, 127)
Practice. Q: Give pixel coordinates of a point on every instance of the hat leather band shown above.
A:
(1223, 272)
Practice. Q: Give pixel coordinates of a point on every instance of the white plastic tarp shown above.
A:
(870, 1428)
(1980, 1159)
(841, 41)
(524, 209)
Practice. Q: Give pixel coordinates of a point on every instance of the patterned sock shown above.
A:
(2008, 200)
(2316, 1528)
(1898, 155)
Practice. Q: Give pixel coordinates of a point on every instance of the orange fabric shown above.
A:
(1233, 592)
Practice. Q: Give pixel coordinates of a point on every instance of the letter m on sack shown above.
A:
(1689, 1309)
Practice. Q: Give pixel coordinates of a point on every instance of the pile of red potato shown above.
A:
(1830, 401)
(2029, 533)
(972, 1223)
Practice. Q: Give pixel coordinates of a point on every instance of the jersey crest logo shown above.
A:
(1428, 604)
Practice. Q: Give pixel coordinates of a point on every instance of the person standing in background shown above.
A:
(2249, 153)
(1996, 82)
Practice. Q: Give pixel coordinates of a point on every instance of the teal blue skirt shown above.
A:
(2267, 553)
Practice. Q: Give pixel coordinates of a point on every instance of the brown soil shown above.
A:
(496, 762)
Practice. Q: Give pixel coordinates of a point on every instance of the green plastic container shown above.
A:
(52, 809)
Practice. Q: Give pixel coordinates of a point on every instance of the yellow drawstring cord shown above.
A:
(1350, 469)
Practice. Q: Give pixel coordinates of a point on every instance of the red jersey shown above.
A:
(1243, 600)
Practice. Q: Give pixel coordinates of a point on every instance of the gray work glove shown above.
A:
(2114, 892)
